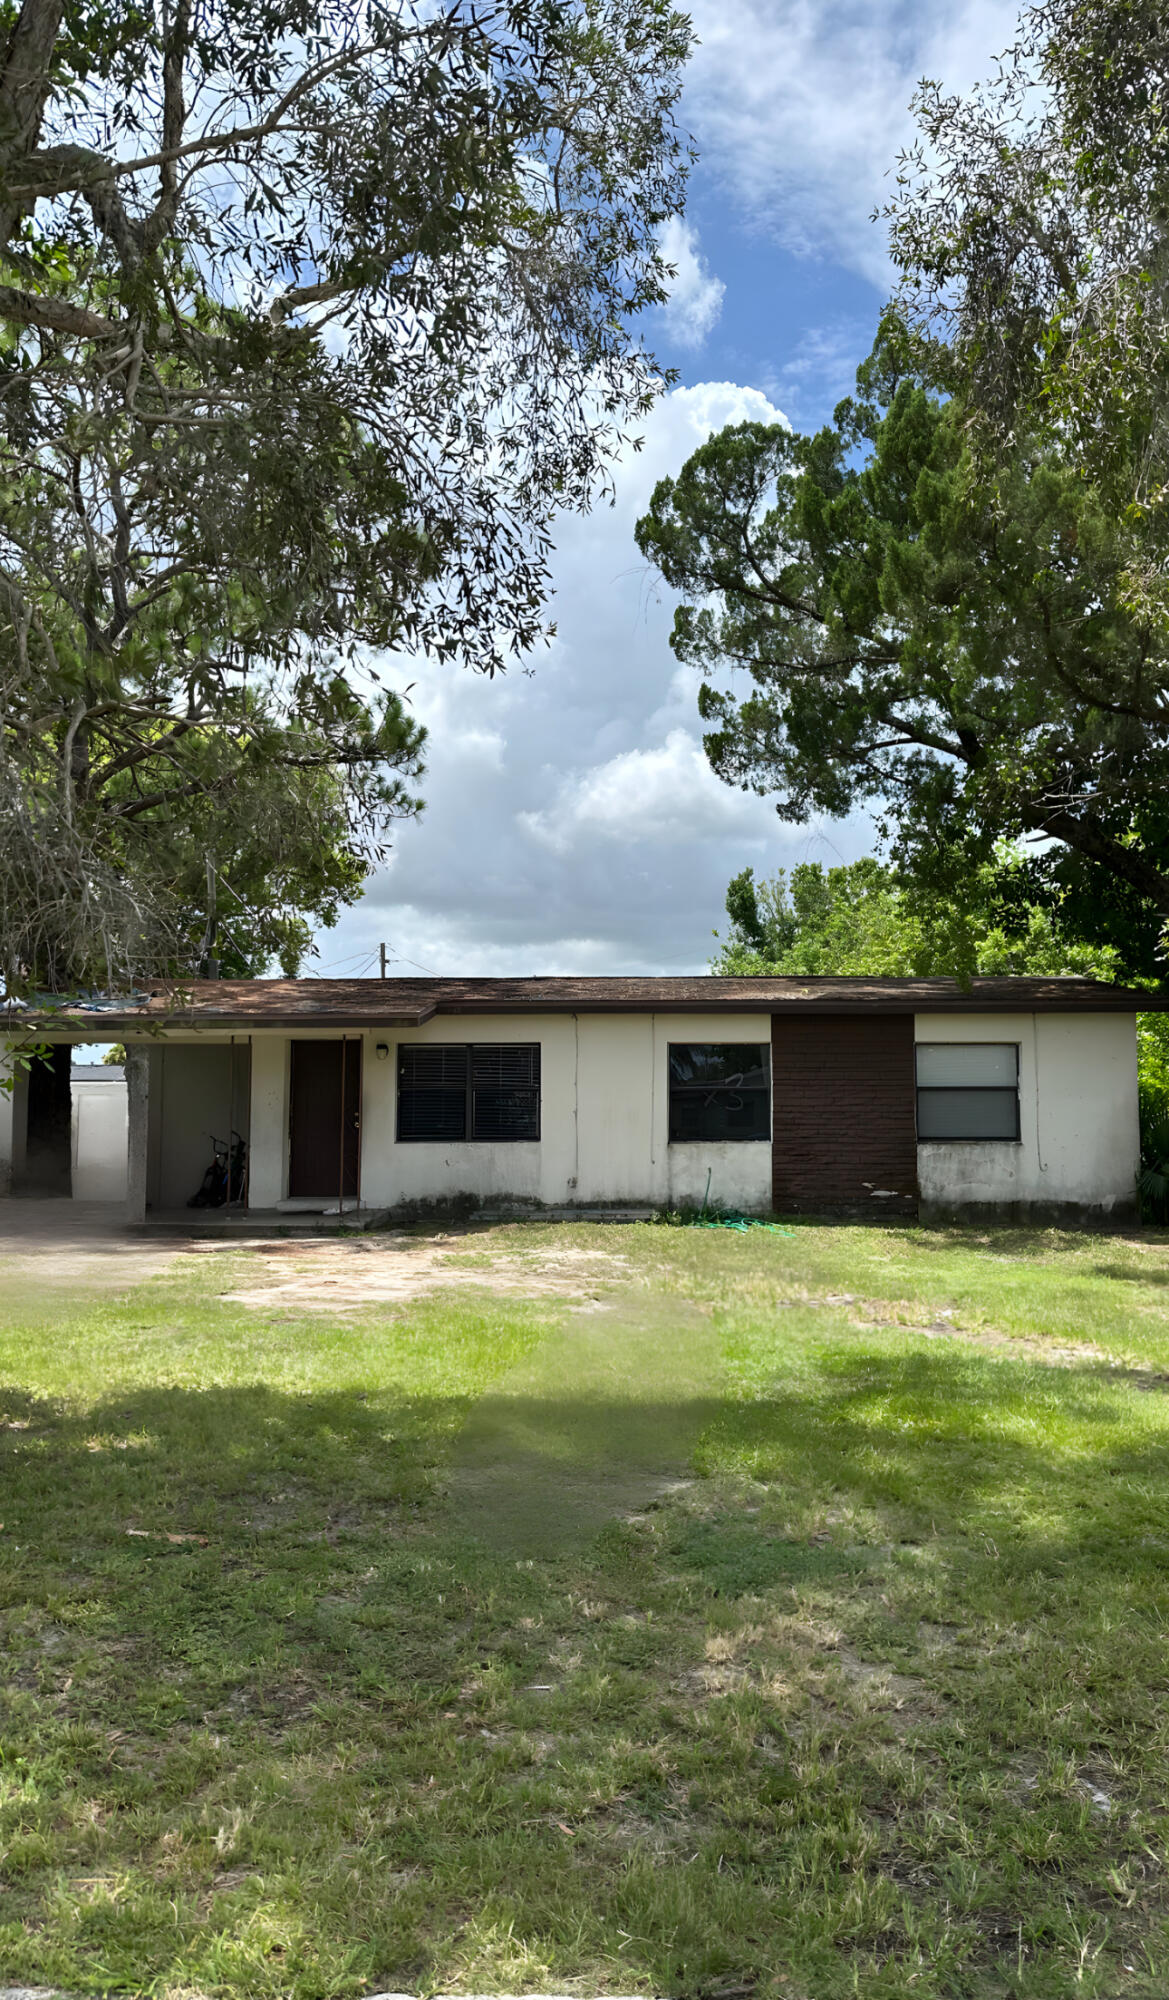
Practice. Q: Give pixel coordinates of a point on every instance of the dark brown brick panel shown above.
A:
(843, 1117)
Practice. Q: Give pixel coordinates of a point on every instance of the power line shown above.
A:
(385, 960)
(358, 958)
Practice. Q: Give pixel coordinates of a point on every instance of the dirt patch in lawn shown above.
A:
(328, 1275)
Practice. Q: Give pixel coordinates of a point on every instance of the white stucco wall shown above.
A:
(603, 1119)
(1078, 1118)
(99, 1135)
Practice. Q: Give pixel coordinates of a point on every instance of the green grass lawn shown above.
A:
(792, 1621)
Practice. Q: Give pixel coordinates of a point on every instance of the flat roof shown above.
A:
(385, 1003)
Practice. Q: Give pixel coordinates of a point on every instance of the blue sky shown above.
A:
(572, 824)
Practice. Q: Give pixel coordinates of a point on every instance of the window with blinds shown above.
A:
(485, 1091)
(967, 1090)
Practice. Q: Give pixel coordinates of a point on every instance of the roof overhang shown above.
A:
(375, 1006)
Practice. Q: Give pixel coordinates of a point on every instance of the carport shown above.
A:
(196, 1098)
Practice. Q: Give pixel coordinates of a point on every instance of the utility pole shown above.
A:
(208, 963)
(382, 953)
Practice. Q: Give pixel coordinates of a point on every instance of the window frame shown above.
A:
(754, 1090)
(921, 1090)
(469, 1137)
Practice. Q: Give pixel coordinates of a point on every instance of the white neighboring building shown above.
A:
(1013, 1097)
(100, 1129)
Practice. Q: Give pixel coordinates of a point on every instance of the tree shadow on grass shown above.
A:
(1029, 1243)
(231, 1508)
(1132, 1274)
(948, 1432)
(326, 1588)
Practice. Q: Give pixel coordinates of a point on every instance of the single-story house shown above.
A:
(1015, 1097)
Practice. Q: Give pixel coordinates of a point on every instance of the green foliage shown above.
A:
(954, 653)
(374, 271)
(312, 317)
(1154, 1174)
(159, 825)
(1029, 227)
(1153, 1038)
(864, 919)
(1153, 1071)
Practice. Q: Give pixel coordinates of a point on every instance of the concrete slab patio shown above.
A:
(75, 1243)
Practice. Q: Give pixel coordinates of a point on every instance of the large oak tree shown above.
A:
(311, 317)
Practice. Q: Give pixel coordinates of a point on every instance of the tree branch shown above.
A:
(139, 752)
(1126, 862)
(56, 315)
(162, 218)
(25, 83)
(211, 143)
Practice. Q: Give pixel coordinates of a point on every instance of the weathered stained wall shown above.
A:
(604, 1119)
(1078, 1147)
(843, 1116)
(844, 1136)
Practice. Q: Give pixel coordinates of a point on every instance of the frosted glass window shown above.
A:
(967, 1090)
(978, 1065)
(968, 1114)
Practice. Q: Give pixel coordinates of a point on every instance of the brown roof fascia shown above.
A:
(1119, 1002)
(237, 1006)
(195, 1018)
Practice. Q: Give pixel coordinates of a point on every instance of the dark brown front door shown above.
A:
(844, 1134)
(325, 1095)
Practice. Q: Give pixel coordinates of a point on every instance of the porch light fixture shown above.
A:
(382, 1051)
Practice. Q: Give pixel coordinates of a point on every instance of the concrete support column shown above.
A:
(268, 1140)
(138, 1067)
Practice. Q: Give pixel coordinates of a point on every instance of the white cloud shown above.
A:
(801, 106)
(572, 821)
(696, 295)
(658, 796)
(820, 369)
